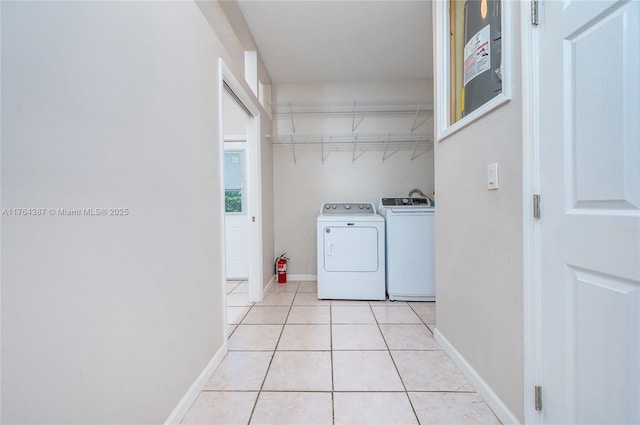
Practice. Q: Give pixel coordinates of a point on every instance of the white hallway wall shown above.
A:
(109, 319)
(479, 243)
(300, 188)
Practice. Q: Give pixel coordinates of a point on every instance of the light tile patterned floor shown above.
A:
(294, 359)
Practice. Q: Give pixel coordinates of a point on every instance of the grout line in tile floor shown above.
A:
(275, 349)
(374, 394)
(406, 391)
(333, 385)
(339, 391)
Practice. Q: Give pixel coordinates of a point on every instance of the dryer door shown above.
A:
(351, 249)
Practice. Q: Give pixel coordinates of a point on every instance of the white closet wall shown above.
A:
(301, 185)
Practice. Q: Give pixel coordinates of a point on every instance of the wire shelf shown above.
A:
(352, 106)
(358, 141)
(350, 138)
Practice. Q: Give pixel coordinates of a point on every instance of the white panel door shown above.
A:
(350, 249)
(589, 141)
(236, 217)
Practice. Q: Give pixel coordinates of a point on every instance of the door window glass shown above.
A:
(234, 182)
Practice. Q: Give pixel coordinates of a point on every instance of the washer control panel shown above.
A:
(343, 208)
(394, 202)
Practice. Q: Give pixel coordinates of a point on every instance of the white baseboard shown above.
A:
(305, 277)
(192, 393)
(269, 284)
(484, 390)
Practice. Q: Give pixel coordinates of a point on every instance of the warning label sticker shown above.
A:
(477, 54)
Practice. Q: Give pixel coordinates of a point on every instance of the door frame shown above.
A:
(531, 226)
(253, 166)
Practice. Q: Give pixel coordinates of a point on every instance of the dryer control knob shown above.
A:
(348, 206)
(327, 206)
(334, 206)
(368, 207)
(405, 201)
(361, 206)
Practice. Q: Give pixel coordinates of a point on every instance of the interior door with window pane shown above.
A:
(236, 219)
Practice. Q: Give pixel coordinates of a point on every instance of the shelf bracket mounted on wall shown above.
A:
(293, 124)
(386, 146)
(293, 148)
(415, 147)
(355, 144)
(293, 132)
(322, 148)
(415, 119)
(354, 125)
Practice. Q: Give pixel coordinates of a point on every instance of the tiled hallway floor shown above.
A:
(294, 359)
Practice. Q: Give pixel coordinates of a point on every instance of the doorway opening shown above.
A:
(240, 179)
(236, 227)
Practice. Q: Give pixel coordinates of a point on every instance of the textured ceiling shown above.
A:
(312, 41)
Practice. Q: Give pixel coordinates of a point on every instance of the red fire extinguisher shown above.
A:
(281, 267)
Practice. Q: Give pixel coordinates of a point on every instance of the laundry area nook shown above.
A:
(304, 212)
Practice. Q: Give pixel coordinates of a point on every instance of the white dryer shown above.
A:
(351, 252)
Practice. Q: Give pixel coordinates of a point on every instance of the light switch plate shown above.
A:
(492, 176)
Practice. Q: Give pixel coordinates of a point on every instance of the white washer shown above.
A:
(410, 248)
(351, 264)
